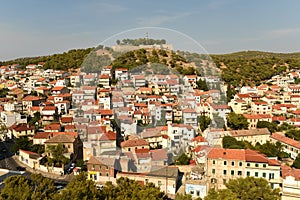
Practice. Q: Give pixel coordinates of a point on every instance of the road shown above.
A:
(7, 161)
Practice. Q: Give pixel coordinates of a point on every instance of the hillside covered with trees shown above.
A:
(236, 69)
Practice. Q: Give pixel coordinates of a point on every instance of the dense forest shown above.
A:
(252, 67)
(236, 69)
(67, 60)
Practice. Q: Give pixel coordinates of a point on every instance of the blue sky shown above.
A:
(40, 27)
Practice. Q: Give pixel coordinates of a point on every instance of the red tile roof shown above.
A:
(288, 171)
(22, 127)
(199, 139)
(134, 143)
(159, 154)
(286, 140)
(110, 135)
(52, 127)
(31, 98)
(66, 119)
(257, 116)
(42, 135)
(107, 112)
(58, 88)
(142, 153)
(49, 108)
(229, 154)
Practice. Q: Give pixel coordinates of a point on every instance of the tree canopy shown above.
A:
(38, 187)
(20, 188)
(237, 121)
(248, 188)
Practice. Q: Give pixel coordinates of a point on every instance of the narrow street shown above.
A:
(10, 161)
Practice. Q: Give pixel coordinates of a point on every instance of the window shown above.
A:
(232, 172)
(232, 163)
(100, 174)
(213, 180)
(197, 193)
(271, 176)
(224, 172)
(225, 162)
(129, 149)
(264, 175)
(107, 174)
(264, 165)
(95, 177)
(93, 167)
(248, 173)
(159, 184)
(224, 181)
(256, 174)
(106, 167)
(192, 192)
(240, 173)
(213, 171)
(214, 162)
(146, 180)
(248, 164)
(256, 165)
(240, 164)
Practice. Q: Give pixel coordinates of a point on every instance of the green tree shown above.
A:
(293, 133)
(16, 188)
(220, 195)
(296, 162)
(237, 121)
(183, 160)
(202, 85)
(80, 189)
(183, 197)
(42, 188)
(271, 126)
(248, 188)
(57, 152)
(204, 122)
(129, 189)
(229, 142)
(21, 143)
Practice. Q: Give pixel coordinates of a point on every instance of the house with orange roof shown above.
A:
(239, 106)
(121, 74)
(225, 164)
(253, 119)
(260, 107)
(155, 137)
(75, 79)
(138, 80)
(31, 159)
(133, 144)
(290, 146)
(104, 80)
(21, 130)
(180, 135)
(47, 113)
(89, 79)
(290, 183)
(41, 137)
(57, 90)
(189, 117)
(106, 70)
(30, 101)
(72, 145)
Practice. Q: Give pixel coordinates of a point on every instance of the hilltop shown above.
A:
(239, 68)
